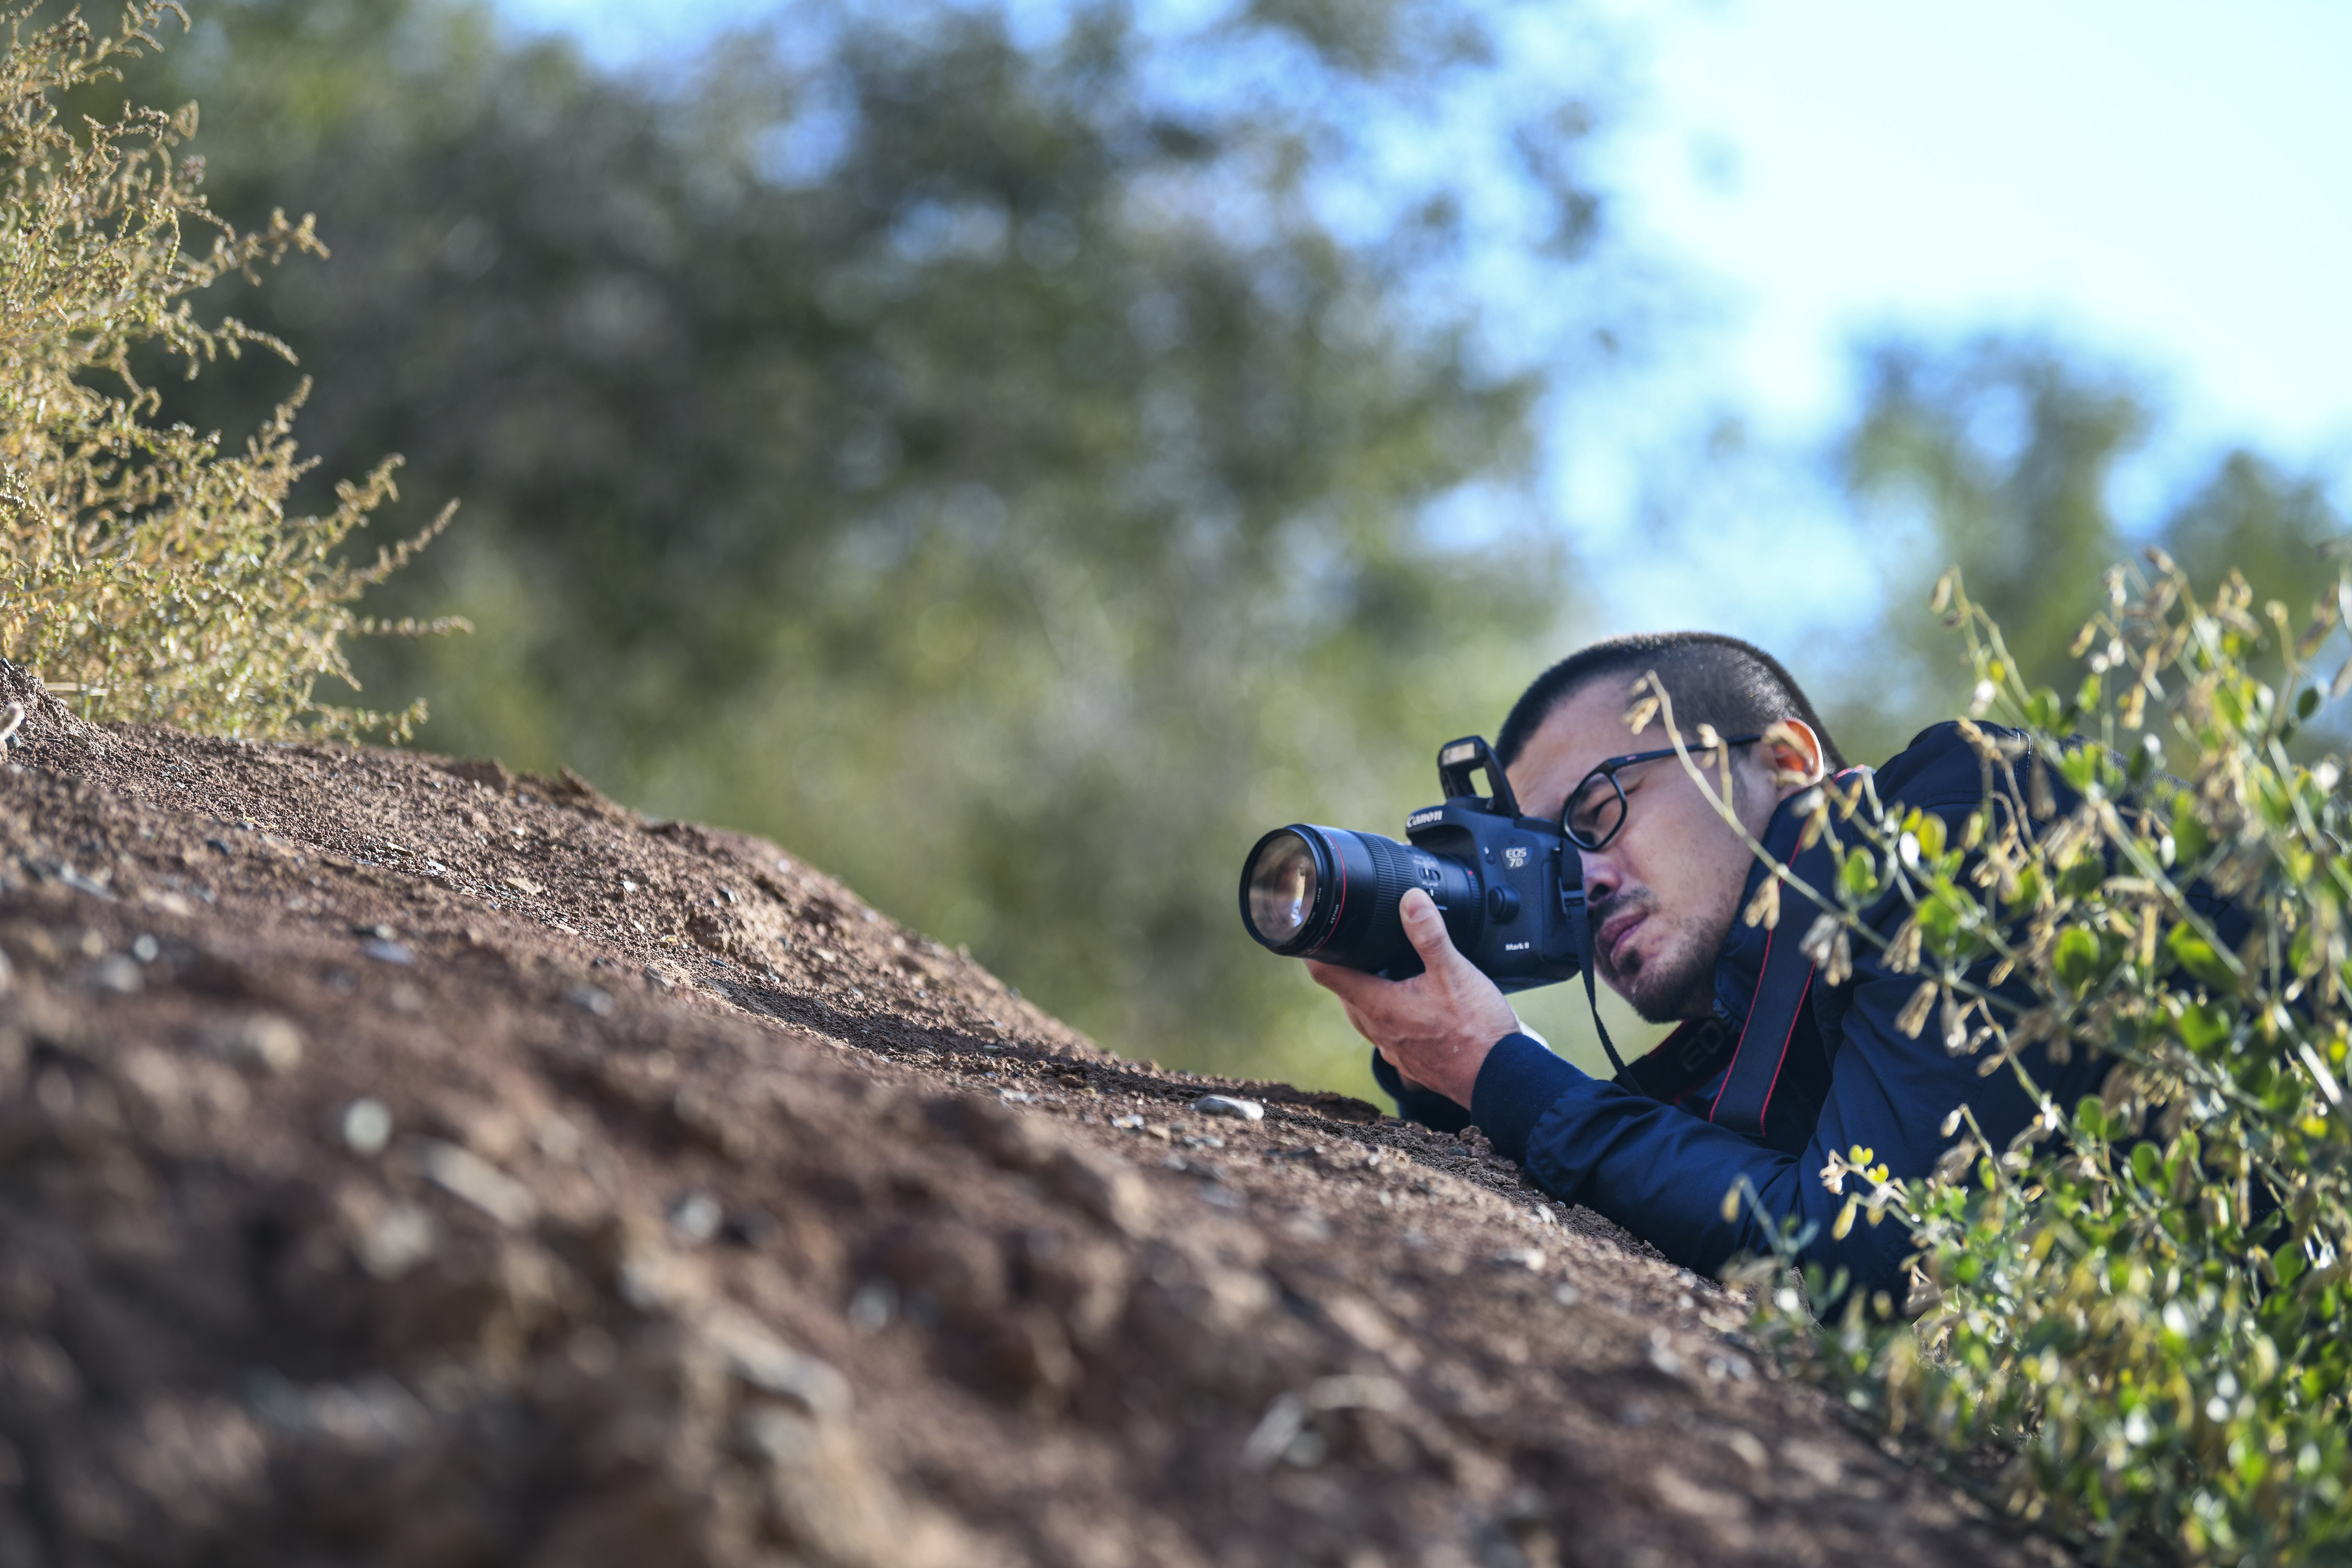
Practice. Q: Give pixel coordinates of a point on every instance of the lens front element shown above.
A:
(1281, 884)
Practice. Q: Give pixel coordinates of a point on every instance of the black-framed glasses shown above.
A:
(1595, 809)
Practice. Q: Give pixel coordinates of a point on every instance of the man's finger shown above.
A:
(1347, 983)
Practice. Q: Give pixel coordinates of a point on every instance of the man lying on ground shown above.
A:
(1771, 1070)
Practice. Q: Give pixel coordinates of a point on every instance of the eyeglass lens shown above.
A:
(1594, 811)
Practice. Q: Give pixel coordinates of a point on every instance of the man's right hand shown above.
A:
(1436, 1028)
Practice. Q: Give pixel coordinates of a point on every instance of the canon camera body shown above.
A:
(1511, 888)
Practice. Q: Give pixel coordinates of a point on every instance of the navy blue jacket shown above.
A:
(1662, 1170)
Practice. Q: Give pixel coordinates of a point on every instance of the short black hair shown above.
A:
(1713, 679)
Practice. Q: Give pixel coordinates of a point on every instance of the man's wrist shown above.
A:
(1518, 1081)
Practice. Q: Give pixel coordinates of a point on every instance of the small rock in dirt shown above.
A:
(380, 932)
(872, 1308)
(388, 951)
(402, 1236)
(557, 1138)
(1530, 1258)
(696, 1217)
(72, 878)
(119, 973)
(367, 1127)
(595, 1001)
(1567, 1294)
(1128, 1123)
(1226, 1105)
(257, 1039)
(145, 949)
(766, 1363)
(469, 1176)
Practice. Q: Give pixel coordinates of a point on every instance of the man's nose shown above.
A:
(1602, 878)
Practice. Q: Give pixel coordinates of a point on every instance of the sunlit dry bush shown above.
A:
(148, 573)
(2141, 1301)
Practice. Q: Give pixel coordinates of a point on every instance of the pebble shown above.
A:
(118, 974)
(766, 1363)
(871, 1308)
(1530, 1258)
(595, 1001)
(1226, 1105)
(388, 951)
(259, 1039)
(696, 1217)
(402, 1236)
(468, 1176)
(367, 1127)
(1128, 1123)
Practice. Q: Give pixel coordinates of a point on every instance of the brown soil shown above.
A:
(407, 1163)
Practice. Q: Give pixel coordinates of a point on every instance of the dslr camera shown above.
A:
(1511, 888)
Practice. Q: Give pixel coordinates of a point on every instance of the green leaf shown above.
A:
(2189, 839)
(1930, 830)
(2079, 766)
(1859, 874)
(2043, 710)
(2077, 958)
(2203, 1026)
(2148, 1166)
(2195, 955)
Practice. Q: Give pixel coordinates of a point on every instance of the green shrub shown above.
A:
(2139, 1305)
(149, 573)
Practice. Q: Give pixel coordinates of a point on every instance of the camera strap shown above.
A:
(1749, 1055)
(1784, 985)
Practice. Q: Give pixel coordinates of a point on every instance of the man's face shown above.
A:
(1664, 890)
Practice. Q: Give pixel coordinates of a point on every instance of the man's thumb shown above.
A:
(1424, 926)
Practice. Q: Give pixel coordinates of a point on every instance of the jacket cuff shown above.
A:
(1428, 1107)
(1520, 1082)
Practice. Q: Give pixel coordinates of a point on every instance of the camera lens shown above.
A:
(1329, 894)
(1279, 887)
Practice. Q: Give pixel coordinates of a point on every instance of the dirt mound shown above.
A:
(408, 1162)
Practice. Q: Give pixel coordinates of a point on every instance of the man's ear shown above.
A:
(1792, 753)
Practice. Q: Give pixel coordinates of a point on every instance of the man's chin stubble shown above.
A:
(1678, 986)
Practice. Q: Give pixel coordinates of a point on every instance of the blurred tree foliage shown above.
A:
(1998, 455)
(999, 463)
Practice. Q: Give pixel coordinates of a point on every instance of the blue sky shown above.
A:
(2154, 180)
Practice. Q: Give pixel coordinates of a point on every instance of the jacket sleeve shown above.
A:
(1663, 1173)
(1428, 1107)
